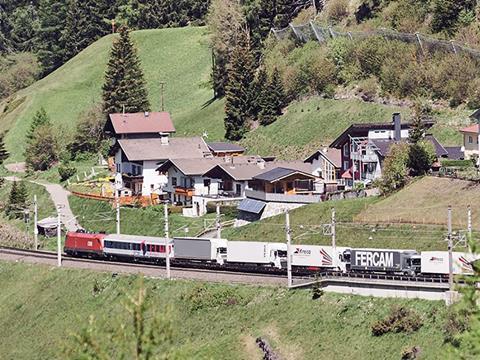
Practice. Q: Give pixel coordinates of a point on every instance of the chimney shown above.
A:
(397, 127)
(164, 138)
(147, 113)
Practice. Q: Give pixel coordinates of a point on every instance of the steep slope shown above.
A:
(179, 57)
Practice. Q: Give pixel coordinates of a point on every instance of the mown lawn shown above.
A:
(179, 57)
(97, 216)
(307, 221)
(42, 308)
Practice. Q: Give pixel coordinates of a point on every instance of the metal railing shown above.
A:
(274, 197)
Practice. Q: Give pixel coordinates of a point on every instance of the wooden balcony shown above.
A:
(185, 191)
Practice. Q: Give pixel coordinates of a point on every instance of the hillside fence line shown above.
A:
(311, 31)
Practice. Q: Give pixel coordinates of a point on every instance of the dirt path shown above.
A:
(59, 197)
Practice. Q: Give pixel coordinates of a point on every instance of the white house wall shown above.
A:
(151, 178)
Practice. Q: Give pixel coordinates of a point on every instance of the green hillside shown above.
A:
(42, 308)
(179, 57)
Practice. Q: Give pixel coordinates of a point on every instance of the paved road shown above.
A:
(60, 198)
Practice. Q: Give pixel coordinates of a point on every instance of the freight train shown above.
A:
(221, 253)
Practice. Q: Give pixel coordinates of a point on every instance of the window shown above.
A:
(206, 182)
(118, 168)
(346, 149)
(174, 181)
(151, 187)
(346, 165)
(470, 139)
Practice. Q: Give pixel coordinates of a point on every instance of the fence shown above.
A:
(312, 31)
(142, 201)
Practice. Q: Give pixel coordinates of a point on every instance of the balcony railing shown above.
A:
(186, 191)
(304, 199)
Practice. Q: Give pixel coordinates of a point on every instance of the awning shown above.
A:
(252, 206)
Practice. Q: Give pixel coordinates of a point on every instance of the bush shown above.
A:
(395, 169)
(227, 210)
(400, 319)
(205, 296)
(457, 163)
(367, 89)
(336, 10)
(17, 71)
(66, 171)
(456, 322)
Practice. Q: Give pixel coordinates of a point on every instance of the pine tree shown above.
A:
(124, 82)
(52, 22)
(92, 25)
(278, 91)
(273, 99)
(17, 200)
(40, 118)
(71, 34)
(42, 150)
(260, 92)
(239, 89)
(4, 154)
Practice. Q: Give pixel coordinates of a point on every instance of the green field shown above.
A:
(426, 201)
(179, 57)
(97, 216)
(306, 224)
(42, 308)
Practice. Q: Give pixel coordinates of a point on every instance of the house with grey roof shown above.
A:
(223, 149)
(326, 164)
(363, 148)
(138, 160)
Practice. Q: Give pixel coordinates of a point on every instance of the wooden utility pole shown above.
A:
(113, 26)
(162, 84)
(35, 222)
(288, 234)
(167, 238)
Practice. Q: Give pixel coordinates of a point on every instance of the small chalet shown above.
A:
(139, 125)
(471, 136)
(276, 190)
(327, 164)
(224, 149)
(137, 160)
(364, 146)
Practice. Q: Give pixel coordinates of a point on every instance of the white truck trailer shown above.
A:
(262, 253)
(436, 262)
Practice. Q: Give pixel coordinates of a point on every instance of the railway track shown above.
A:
(153, 270)
(251, 274)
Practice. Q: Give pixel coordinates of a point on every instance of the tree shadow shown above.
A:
(209, 102)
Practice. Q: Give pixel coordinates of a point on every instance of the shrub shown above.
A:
(205, 296)
(227, 210)
(395, 169)
(400, 319)
(410, 353)
(371, 53)
(341, 52)
(456, 322)
(367, 89)
(17, 71)
(66, 171)
(336, 10)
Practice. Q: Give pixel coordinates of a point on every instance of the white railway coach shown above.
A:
(261, 253)
(201, 249)
(436, 262)
(131, 246)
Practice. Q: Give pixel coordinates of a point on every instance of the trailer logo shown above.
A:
(465, 264)
(326, 258)
(374, 259)
(436, 259)
(300, 251)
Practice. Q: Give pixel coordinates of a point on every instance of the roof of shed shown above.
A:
(331, 154)
(251, 205)
(279, 173)
(225, 147)
(471, 129)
